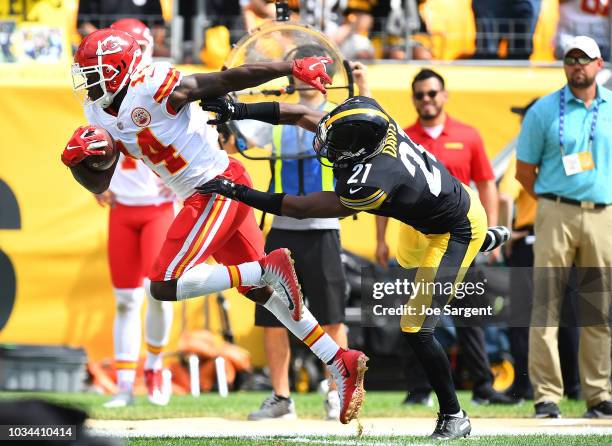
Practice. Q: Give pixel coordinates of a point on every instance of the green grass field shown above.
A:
(378, 404)
(502, 440)
(238, 405)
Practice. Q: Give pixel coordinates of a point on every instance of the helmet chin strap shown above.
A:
(106, 99)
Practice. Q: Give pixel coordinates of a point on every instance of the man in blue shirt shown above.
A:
(564, 158)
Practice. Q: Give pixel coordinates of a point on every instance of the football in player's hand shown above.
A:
(102, 141)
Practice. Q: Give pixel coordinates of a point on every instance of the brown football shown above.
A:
(103, 162)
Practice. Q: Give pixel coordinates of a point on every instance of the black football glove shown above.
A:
(223, 106)
(223, 186)
(264, 201)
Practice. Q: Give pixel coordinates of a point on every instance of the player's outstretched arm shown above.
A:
(315, 205)
(204, 86)
(274, 113)
(300, 115)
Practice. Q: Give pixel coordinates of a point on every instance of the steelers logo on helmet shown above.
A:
(352, 132)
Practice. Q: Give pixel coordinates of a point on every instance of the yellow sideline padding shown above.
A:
(59, 254)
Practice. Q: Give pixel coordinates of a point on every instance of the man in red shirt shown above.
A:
(460, 148)
(457, 145)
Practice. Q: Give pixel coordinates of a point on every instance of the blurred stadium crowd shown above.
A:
(202, 31)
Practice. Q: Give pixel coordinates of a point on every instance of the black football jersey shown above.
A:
(407, 183)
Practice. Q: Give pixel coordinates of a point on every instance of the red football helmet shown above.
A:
(106, 57)
(140, 32)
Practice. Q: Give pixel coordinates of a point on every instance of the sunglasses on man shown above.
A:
(582, 60)
(420, 95)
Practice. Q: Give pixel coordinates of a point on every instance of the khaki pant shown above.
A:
(567, 234)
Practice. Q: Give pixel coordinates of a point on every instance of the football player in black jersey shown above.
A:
(378, 169)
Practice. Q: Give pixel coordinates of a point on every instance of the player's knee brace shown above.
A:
(158, 303)
(128, 299)
(165, 291)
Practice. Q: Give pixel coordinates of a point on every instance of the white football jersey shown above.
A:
(134, 184)
(179, 147)
(583, 18)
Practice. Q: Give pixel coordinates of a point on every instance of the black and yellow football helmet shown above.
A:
(352, 132)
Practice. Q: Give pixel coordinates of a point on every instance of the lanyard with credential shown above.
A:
(562, 123)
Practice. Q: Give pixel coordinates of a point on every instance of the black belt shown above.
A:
(582, 204)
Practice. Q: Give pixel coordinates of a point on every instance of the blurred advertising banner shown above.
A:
(36, 31)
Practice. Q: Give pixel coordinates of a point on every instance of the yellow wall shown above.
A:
(63, 287)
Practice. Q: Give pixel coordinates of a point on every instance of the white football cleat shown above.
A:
(120, 400)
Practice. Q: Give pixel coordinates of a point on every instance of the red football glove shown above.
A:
(83, 143)
(310, 69)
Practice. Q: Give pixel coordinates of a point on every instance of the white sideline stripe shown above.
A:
(307, 430)
(356, 442)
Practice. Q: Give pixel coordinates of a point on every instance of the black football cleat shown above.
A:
(547, 409)
(496, 236)
(601, 410)
(449, 427)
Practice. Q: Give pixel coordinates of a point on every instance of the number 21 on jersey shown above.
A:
(408, 155)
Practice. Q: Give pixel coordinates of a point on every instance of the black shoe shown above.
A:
(547, 410)
(601, 410)
(418, 399)
(450, 428)
(495, 237)
(495, 398)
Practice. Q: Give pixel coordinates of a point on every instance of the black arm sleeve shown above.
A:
(261, 111)
(264, 201)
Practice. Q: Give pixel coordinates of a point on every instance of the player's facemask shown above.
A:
(87, 78)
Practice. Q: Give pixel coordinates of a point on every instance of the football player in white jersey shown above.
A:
(151, 115)
(141, 211)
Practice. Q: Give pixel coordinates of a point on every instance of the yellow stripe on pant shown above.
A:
(438, 256)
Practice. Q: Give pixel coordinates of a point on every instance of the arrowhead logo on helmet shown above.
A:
(110, 45)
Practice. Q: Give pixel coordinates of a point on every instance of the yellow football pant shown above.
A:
(440, 258)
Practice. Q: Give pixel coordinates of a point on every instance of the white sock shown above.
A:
(158, 322)
(127, 326)
(205, 279)
(153, 360)
(457, 415)
(125, 380)
(127, 335)
(250, 273)
(307, 330)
